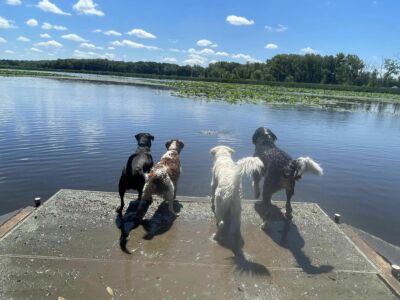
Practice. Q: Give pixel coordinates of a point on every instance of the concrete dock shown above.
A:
(70, 248)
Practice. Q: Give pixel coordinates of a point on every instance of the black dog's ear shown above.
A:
(137, 137)
(181, 144)
(257, 133)
(152, 137)
(167, 144)
(273, 136)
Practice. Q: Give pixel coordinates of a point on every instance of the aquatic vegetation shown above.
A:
(13, 73)
(248, 93)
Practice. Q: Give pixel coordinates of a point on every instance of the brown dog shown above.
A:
(163, 177)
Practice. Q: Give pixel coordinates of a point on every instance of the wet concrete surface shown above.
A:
(71, 248)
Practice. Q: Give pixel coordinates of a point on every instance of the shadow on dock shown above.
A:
(159, 223)
(286, 234)
(239, 260)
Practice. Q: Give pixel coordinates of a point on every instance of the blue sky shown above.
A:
(197, 32)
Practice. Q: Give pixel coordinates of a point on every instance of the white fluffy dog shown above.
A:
(226, 187)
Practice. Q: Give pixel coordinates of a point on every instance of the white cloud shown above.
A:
(2, 40)
(97, 31)
(9, 51)
(73, 37)
(112, 32)
(23, 39)
(35, 50)
(140, 33)
(45, 36)
(89, 46)
(91, 54)
(6, 24)
(14, 2)
(174, 50)
(32, 23)
(48, 26)
(52, 43)
(87, 7)
(171, 60)
(239, 21)
(132, 44)
(203, 43)
(221, 53)
(110, 48)
(308, 50)
(271, 46)
(195, 59)
(47, 6)
(246, 57)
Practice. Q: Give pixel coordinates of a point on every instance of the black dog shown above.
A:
(280, 170)
(139, 163)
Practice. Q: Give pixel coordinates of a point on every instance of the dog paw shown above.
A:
(265, 225)
(289, 216)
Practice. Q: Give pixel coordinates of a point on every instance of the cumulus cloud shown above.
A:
(91, 54)
(171, 60)
(14, 2)
(246, 57)
(73, 37)
(195, 59)
(132, 44)
(271, 46)
(45, 36)
(239, 21)
(89, 46)
(174, 50)
(33, 49)
(48, 26)
(32, 23)
(52, 44)
(112, 32)
(110, 48)
(203, 43)
(48, 6)
(9, 51)
(140, 33)
(23, 39)
(97, 31)
(308, 50)
(6, 24)
(87, 7)
(2, 40)
(221, 53)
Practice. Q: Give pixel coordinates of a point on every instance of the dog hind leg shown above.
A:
(289, 194)
(121, 190)
(169, 195)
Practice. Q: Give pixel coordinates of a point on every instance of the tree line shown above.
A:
(339, 69)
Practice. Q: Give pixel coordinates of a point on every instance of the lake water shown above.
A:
(64, 134)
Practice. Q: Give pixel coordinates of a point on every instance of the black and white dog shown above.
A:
(280, 170)
(138, 164)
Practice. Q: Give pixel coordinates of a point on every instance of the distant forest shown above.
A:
(340, 69)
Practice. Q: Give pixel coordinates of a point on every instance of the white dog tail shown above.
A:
(307, 165)
(249, 165)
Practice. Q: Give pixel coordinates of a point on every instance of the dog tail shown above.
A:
(250, 165)
(307, 165)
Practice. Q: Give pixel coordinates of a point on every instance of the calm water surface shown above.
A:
(56, 134)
